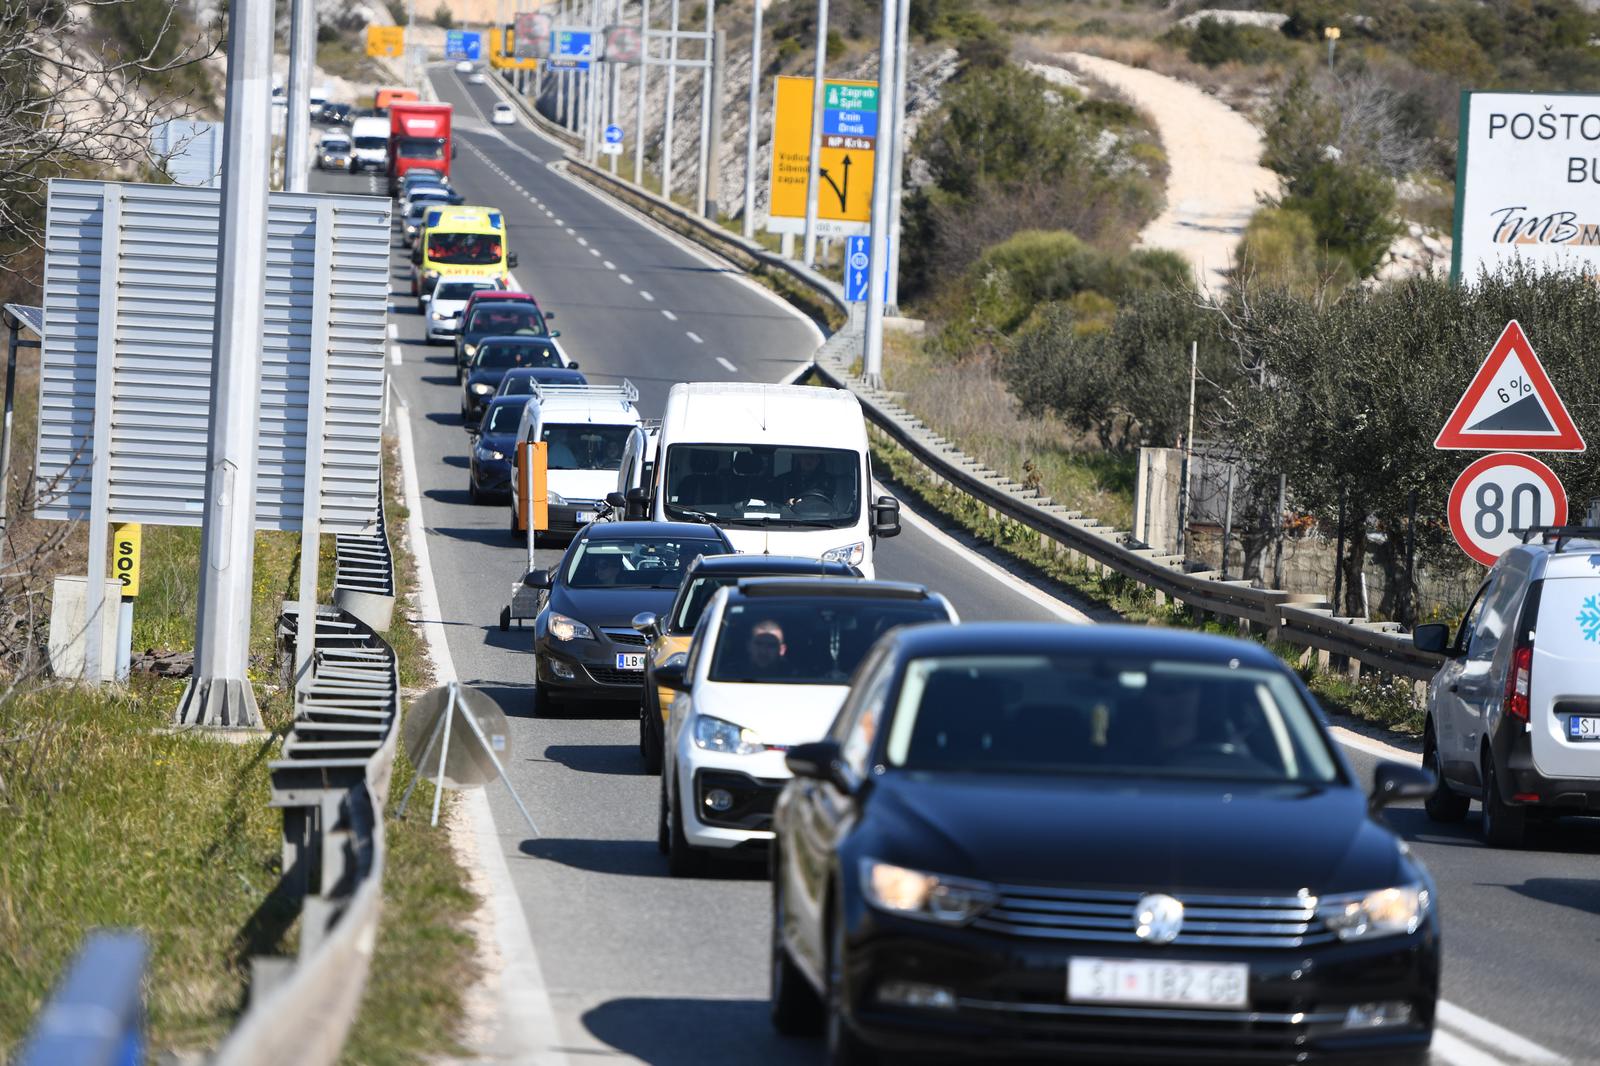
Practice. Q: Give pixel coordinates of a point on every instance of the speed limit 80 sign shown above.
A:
(1498, 497)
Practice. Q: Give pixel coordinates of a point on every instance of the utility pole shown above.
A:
(719, 42)
(808, 253)
(872, 352)
(614, 105)
(219, 693)
(297, 125)
(897, 174)
(709, 84)
(644, 84)
(748, 227)
(672, 102)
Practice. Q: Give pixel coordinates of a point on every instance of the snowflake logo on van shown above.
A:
(1589, 618)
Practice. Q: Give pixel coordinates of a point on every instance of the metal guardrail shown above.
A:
(363, 577)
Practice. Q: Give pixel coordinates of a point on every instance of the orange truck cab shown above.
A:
(385, 97)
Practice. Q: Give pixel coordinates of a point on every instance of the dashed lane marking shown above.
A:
(394, 354)
(625, 279)
(610, 265)
(729, 367)
(670, 316)
(394, 329)
(647, 296)
(692, 335)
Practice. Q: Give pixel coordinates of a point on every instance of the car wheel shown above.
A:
(683, 858)
(663, 832)
(845, 1048)
(545, 702)
(1443, 804)
(796, 1009)
(1503, 825)
(649, 744)
(473, 495)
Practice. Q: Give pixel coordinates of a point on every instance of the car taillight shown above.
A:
(1519, 682)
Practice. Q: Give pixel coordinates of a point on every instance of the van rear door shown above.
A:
(1564, 694)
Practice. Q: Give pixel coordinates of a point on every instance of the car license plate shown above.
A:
(630, 660)
(1180, 984)
(585, 516)
(1582, 728)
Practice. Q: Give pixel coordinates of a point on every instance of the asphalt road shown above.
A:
(641, 966)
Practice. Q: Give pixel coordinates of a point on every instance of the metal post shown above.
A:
(644, 81)
(672, 103)
(872, 352)
(124, 640)
(1188, 454)
(808, 253)
(316, 416)
(713, 197)
(897, 162)
(1227, 523)
(748, 225)
(100, 469)
(297, 128)
(1277, 539)
(614, 85)
(444, 749)
(1338, 560)
(5, 437)
(1408, 609)
(220, 693)
(708, 88)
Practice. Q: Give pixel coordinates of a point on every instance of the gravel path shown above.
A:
(1215, 181)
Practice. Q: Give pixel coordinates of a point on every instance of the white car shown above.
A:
(477, 78)
(464, 67)
(503, 115)
(442, 313)
(772, 662)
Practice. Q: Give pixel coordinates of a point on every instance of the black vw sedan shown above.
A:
(1095, 843)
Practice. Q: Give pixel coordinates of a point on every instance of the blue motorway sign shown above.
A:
(843, 123)
(571, 49)
(857, 260)
(613, 134)
(463, 44)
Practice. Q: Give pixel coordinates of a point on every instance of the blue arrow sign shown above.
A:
(857, 259)
(613, 134)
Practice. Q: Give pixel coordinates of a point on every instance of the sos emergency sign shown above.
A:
(1497, 497)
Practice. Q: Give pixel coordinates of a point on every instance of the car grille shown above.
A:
(1107, 917)
(607, 675)
(630, 637)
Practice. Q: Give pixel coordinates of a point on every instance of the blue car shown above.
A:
(494, 439)
(494, 358)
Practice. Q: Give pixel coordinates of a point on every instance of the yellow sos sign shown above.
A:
(386, 41)
(126, 541)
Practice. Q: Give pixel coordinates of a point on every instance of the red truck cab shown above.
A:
(419, 139)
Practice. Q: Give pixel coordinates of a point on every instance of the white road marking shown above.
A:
(595, 252)
(1449, 1048)
(692, 335)
(610, 265)
(394, 328)
(1378, 748)
(647, 296)
(549, 213)
(571, 232)
(1502, 1040)
(394, 354)
(625, 279)
(729, 367)
(583, 242)
(561, 223)
(669, 315)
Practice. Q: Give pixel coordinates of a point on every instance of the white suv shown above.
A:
(768, 668)
(1514, 712)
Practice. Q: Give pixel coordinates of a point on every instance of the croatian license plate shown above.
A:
(630, 660)
(1582, 728)
(1178, 984)
(585, 516)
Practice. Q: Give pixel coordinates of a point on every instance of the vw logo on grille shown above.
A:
(1157, 919)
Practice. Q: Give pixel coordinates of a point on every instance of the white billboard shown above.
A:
(1527, 182)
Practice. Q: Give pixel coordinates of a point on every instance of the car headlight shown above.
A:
(490, 453)
(849, 554)
(555, 498)
(564, 628)
(715, 734)
(482, 388)
(430, 275)
(1386, 912)
(469, 350)
(438, 316)
(931, 897)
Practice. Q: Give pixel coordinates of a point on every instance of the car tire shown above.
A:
(683, 858)
(663, 830)
(845, 1048)
(795, 1007)
(473, 495)
(1443, 804)
(649, 745)
(546, 704)
(1504, 826)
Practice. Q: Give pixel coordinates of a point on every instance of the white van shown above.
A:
(370, 136)
(1514, 713)
(587, 428)
(782, 469)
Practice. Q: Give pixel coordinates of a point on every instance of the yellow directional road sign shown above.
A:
(386, 41)
(126, 540)
(849, 150)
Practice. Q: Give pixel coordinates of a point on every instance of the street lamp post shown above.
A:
(808, 253)
(872, 351)
(748, 226)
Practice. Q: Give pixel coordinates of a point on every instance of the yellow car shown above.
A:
(671, 635)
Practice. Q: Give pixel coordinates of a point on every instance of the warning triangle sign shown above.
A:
(1510, 405)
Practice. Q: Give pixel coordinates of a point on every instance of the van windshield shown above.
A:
(482, 249)
(764, 485)
(370, 143)
(585, 446)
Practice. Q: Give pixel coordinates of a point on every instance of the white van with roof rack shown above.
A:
(1513, 717)
(782, 469)
(586, 428)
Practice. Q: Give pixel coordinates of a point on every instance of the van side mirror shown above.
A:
(1396, 781)
(511, 260)
(1433, 637)
(886, 517)
(638, 504)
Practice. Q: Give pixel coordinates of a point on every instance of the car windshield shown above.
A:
(506, 356)
(477, 248)
(507, 319)
(420, 147)
(808, 640)
(501, 418)
(744, 485)
(647, 562)
(336, 144)
(459, 290)
(1125, 717)
(370, 143)
(522, 384)
(692, 603)
(584, 446)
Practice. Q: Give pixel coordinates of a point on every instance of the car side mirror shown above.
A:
(645, 622)
(1433, 637)
(555, 333)
(416, 255)
(537, 579)
(1396, 781)
(671, 675)
(886, 517)
(820, 760)
(618, 501)
(573, 365)
(454, 151)
(511, 260)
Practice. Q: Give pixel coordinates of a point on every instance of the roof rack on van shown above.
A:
(628, 392)
(1559, 535)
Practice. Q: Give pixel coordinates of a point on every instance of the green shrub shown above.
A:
(1351, 208)
(1213, 43)
(443, 16)
(1280, 251)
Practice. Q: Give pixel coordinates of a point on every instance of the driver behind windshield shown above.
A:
(808, 476)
